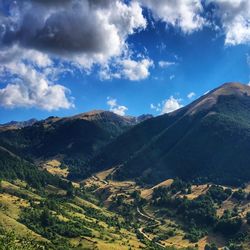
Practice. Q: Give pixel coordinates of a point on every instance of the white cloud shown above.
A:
(185, 14)
(156, 107)
(115, 107)
(85, 32)
(136, 70)
(191, 95)
(128, 69)
(78, 34)
(234, 16)
(28, 84)
(169, 105)
(166, 64)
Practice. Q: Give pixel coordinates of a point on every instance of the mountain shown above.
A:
(185, 153)
(74, 139)
(208, 140)
(17, 125)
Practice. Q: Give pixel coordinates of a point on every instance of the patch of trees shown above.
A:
(239, 195)
(218, 194)
(229, 224)
(200, 211)
(211, 247)
(10, 241)
(45, 223)
(248, 218)
(194, 233)
(179, 185)
(12, 168)
(199, 214)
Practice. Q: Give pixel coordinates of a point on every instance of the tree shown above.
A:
(211, 247)
(248, 218)
(46, 218)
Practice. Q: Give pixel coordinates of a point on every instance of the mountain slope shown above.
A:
(74, 139)
(208, 140)
(12, 167)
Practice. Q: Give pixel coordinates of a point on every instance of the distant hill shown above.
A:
(208, 140)
(17, 125)
(74, 139)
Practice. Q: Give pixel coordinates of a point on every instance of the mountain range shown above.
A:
(98, 180)
(207, 140)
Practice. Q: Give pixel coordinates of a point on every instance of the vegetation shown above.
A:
(199, 215)
(10, 241)
(207, 196)
(12, 167)
(218, 194)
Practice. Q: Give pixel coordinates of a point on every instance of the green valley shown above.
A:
(101, 181)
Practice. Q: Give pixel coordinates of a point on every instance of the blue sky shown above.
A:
(130, 57)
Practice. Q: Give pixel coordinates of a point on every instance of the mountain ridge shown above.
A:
(187, 143)
(202, 140)
(74, 139)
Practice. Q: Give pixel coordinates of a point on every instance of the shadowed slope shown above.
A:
(208, 139)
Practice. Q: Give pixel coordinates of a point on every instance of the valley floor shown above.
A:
(99, 213)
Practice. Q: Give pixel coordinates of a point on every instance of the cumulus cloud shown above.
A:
(171, 105)
(166, 106)
(32, 89)
(136, 70)
(40, 37)
(28, 82)
(166, 64)
(133, 70)
(83, 31)
(191, 95)
(183, 14)
(234, 17)
(115, 107)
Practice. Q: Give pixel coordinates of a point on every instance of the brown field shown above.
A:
(53, 167)
(104, 174)
(147, 193)
(197, 190)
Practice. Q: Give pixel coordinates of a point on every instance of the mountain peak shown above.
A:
(210, 99)
(232, 88)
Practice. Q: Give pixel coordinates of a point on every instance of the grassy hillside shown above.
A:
(61, 221)
(99, 213)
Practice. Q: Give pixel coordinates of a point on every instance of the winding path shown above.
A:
(157, 223)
